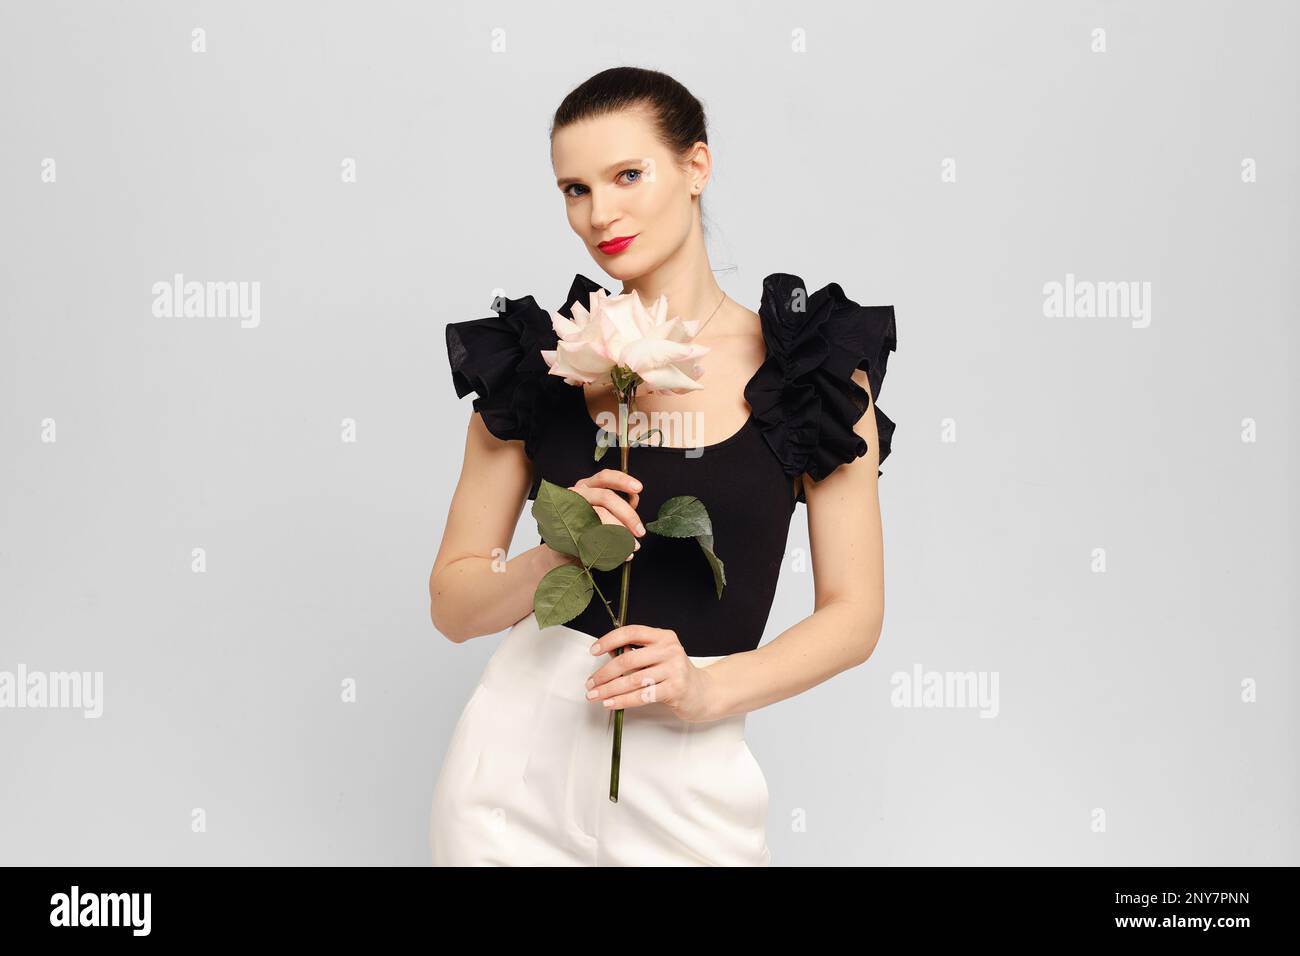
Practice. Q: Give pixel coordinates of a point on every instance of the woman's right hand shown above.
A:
(601, 491)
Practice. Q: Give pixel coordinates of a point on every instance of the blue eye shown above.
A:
(639, 174)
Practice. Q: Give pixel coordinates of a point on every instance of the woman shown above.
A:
(781, 419)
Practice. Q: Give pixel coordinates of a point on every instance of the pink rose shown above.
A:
(620, 332)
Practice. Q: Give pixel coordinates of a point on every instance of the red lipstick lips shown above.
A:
(614, 246)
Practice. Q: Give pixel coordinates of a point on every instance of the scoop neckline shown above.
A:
(580, 394)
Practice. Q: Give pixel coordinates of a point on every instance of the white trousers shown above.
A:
(525, 781)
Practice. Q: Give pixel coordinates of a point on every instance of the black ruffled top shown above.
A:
(804, 404)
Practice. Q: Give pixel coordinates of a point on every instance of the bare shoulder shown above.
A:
(736, 338)
(747, 328)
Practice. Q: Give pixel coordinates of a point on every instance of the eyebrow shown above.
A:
(636, 161)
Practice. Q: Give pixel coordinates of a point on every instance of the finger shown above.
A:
(655, 693)
(648, 684)
(633, 498)
(614, 478)
(641, 634)
(619, 508)
(607, 518)
(626, 663)
(595, 481)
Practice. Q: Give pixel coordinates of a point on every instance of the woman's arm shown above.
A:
(473, 589)
(844, 530)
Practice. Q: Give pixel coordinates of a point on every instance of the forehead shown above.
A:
(587, 147)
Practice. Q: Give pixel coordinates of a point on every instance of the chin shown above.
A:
(620, 267)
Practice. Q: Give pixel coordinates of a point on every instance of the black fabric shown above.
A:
(499, 358)
(804, 397)
(804, 405)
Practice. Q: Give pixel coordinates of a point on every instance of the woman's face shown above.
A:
(618, 181)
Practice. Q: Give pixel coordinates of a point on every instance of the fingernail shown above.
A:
(640, 529)
(591, 682)
(609, 701)
(636, 484)
(636, 545)
(590, 694)
(595, 648)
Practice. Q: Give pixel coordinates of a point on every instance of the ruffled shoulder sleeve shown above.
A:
(500, 359)
(804, 399)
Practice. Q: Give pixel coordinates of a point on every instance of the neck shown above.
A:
(686, 279)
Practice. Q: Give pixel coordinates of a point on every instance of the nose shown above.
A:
(603, 211)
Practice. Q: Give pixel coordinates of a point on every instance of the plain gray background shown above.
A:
(1120, 693)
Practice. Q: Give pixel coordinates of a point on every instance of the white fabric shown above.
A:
(525, 781)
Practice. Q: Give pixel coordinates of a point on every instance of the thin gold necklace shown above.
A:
(713, 313)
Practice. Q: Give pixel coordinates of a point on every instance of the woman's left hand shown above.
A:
(654, 668)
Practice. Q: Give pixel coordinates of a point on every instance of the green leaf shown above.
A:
(605, 440)
(605, 546)
(682, 517)
(644, 439)
(623, 378)
(715, 563)
(561, 595)
(562, 515)
(686, 517)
